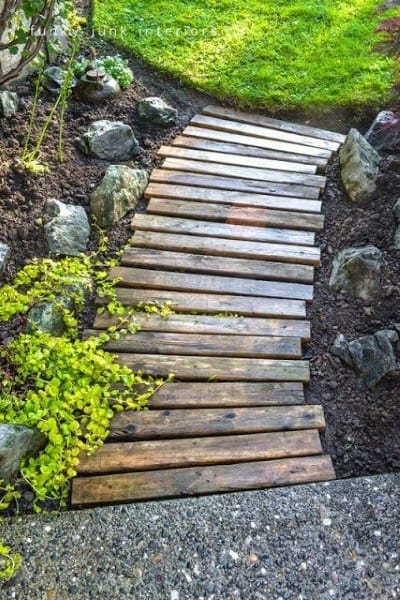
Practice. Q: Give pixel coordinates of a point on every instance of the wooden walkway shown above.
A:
(229, 239)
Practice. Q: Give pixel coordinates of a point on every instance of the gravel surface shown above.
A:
(332, 540)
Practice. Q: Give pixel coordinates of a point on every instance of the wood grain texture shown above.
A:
(227, 158)
(221, 230)
(199, 344)
(211, 284)
(212, 325)
(147, 456)
(201, 368)
(263, 121)
(234, 184)
(223, 394)
(255, 174)
(213, 304)
(236, 215)
(216, 265)
(257, 142)
(278, 135)
(198, 143)
(306, 255)
(187, 422)
(220, 196)
(191, 481)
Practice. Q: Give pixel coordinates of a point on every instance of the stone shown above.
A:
(67, 229)
(396, 239)
(4, 257)
(359, 164)
(16, 443)
(8, 103)
(373, 357)
(340, 349)
(109, 140)
(48, 317)
(357, 272)
(396, 210)
(53, 79)
(384, 133)
(119, 192)
(155, 112)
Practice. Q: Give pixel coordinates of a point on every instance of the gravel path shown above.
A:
(332, 540)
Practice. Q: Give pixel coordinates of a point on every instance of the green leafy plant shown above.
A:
(116, 66)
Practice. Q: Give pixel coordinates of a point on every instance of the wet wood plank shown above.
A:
(227, 158)
(198, 344)
(211, 284)
(191, 481)
(199, 194)
(234, 184)
(197, 143)
(200, 368)
(278, 135)
(264, 121)
(210, 324)
(213, 304)
(216, 265)
(306, 255)
(167, 224)
(236, 215)
(151, 455)
(185, 422)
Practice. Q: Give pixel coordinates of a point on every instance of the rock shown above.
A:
(384, 133)
(340, 349)
(119, 192)
(391, 335)
(359, 164)
(4, 256)
(53, 79)
(396, 239)
(8, 103)
(67, 230)
(373, 357)
(16, 443)
(48, 316)
(155, 112)
(109, 140)
(396, 210)
(356, 272)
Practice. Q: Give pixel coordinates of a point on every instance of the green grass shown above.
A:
(270, 53)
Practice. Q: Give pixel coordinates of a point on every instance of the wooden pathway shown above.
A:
(229, 239)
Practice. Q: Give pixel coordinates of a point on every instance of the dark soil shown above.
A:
(361, 425)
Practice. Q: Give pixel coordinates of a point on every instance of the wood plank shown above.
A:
(212, 284)
(222, 394)
(306, 255)
(225, 158)
(263, 121)
(154, 424)
(186, 141)
(209, 324)
(200, 368)
(146, 456)
(232, 184)
(216, 265)
(213, 304)
(167, 483)
(194, 344)
(278, 135)
(236, 215)
(254, 174)
(146, 222)
(256, 142)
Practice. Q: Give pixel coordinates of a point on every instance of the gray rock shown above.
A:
(359, 164)
(8, 103)
(156, 112)
(109, 140)
(119, 192)
(396, 210)
(390, 335)
(67, 230)
(373, 357)
(384, 133)
(356, 272)
(54, 78)
(396, 239)
(4, 256)
(16, 443)
(48, 316)
(340, 349)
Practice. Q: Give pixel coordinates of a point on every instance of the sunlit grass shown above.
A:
(271, 53)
